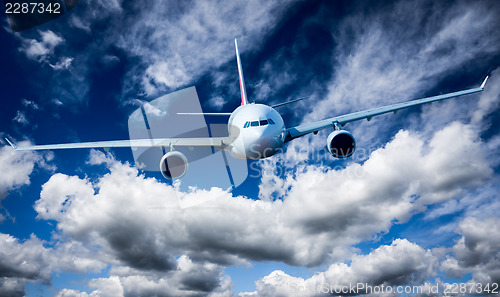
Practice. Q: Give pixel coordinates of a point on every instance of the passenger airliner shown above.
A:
(255, 131)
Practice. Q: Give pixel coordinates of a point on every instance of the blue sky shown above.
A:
(417, 204)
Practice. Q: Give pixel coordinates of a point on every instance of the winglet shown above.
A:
(484, 83)
(11, 144)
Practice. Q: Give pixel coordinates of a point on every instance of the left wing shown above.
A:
(301, 130)
(216, 142)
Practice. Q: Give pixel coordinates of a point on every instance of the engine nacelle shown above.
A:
(173, 165)
(341, 144)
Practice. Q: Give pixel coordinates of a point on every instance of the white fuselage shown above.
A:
(257, 131)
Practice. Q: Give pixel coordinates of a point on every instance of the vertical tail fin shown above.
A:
(243, 90)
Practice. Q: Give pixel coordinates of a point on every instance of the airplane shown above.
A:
(255, 131)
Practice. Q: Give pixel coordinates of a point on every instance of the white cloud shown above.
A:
(217, 102)
(73, 293)
(57, 102)
(198, 37)
(30, 104)
(109, 60)
(384, 67)
(22, 115)
(171, 44)
(77, 22)
(402, 262)
(395, 182)
(19, 165)
(109, 287)
(63, 63)
(172, 75)
(62, 188)
(22, 262)
(74, 256)
(489, 99)
(21, 118)
(476, 251)
(53, 50)
(188, 279)
(10, 286)
(452, 150)
(41, 50)
(28, 260)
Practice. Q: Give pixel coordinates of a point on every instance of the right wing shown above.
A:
(216, 142)
(301, 130)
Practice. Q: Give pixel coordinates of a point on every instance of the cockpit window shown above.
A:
(258, 123)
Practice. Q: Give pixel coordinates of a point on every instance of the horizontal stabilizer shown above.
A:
(206, 113)
(288, 102)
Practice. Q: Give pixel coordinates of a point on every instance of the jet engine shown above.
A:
(173, 165)
(341, 144)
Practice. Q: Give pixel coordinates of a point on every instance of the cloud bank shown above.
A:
(140, 231)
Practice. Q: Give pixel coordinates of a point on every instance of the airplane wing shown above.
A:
(216, 142)
(301, 130)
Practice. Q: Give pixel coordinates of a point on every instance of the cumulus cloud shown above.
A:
(12, 287)
(402, 262)
(19, 165)
(476, 251)
(27, 260)
(188, 279)
(405, 169)
(21, 262)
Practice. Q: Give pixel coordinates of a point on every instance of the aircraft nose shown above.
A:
(261, 143)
